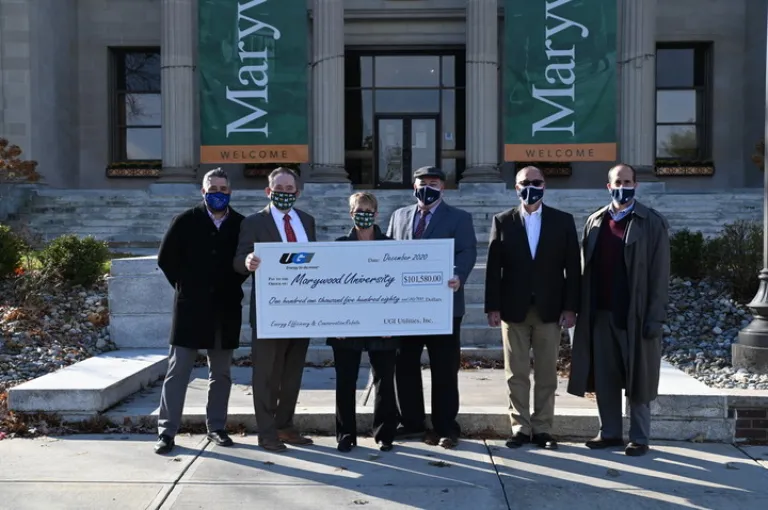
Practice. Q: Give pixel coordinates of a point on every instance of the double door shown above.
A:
(404, 144)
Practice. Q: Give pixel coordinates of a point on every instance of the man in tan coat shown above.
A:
(617, 341)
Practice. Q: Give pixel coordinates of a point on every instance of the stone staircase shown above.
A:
(134, 221)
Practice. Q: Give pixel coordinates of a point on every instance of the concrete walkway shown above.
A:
(121, 473)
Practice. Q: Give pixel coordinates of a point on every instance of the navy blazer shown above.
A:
(447, 222)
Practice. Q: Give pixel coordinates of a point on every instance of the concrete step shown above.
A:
(685, 407)
(90, 386)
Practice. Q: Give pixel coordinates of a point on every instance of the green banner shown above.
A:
(253, 57)
(560, 80)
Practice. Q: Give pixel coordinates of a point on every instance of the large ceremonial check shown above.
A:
(354, 289)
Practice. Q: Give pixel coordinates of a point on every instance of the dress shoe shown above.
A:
(220, 438)
(385, 447)
(346, 444)
(636, 449)
(294, 438)
(408, 433)
(431, 438)
(600, 443)
(518, 439)
(273, 445)
(449, 442)
(164, 444)
(544, 441)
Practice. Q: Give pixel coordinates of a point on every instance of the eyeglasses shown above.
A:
(535, 182)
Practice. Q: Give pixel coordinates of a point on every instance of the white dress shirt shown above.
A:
(533, 228)
(298, 227)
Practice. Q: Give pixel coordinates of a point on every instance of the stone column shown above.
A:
(482, 92)
(177, 88)
(637, 76)
(328, 92)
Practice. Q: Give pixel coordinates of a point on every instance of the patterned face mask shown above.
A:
(282, 200)
(364, 219)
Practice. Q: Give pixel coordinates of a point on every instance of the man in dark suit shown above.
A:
(196, 258)
(278, 364)
(432, 218)
(532, 290)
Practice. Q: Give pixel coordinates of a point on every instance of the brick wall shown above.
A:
(752, 424)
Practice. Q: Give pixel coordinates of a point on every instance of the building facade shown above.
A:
(395, 84)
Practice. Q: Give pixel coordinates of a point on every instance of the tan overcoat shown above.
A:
(647, 259)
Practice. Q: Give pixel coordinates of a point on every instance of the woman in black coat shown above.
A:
(347, 352)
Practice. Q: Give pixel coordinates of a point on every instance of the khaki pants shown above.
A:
(518, 339)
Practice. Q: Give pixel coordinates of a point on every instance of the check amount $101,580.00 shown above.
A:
(423, 278)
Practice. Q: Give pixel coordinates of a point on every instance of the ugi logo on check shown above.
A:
(296, 258)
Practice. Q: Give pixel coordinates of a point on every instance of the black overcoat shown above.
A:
(365, 343)
(196, 258)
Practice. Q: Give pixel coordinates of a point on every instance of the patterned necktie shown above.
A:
(422, 225)
(290, 235)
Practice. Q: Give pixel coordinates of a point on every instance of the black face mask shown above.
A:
(622, 195)
(530, 194)
(427, 195)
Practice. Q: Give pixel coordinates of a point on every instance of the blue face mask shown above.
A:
(530, 194)
(217, 201)
(622, 195)
(427, 195)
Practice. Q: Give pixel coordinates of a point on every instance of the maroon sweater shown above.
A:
(610, 271)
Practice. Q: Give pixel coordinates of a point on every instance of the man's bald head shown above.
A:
(529, 173)
(622, 175)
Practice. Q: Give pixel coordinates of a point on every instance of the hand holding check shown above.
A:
(252, 262)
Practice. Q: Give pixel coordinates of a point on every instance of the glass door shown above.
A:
(404, 143)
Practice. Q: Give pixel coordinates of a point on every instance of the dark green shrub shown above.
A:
(11, 248)
(735, 258)
(687, 256)
(73, 260)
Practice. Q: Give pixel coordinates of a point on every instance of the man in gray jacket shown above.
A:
(432, 218)
(278, 364)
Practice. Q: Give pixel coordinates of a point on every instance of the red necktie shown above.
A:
(290, 235)
(421, 226)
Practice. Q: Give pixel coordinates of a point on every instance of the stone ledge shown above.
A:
(481, 421)
(92, 385)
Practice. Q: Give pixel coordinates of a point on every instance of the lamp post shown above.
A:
(751, 349)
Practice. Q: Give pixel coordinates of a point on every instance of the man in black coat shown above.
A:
(532, 290)
(196, 257)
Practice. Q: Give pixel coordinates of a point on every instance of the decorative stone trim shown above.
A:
(262, 170)
(548, 168)
(684, 168)
(150, 168)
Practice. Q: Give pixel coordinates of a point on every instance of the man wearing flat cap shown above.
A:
(432, 218)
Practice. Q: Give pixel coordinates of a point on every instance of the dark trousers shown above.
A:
(347, 364)
(444, 361)
(278, 367)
